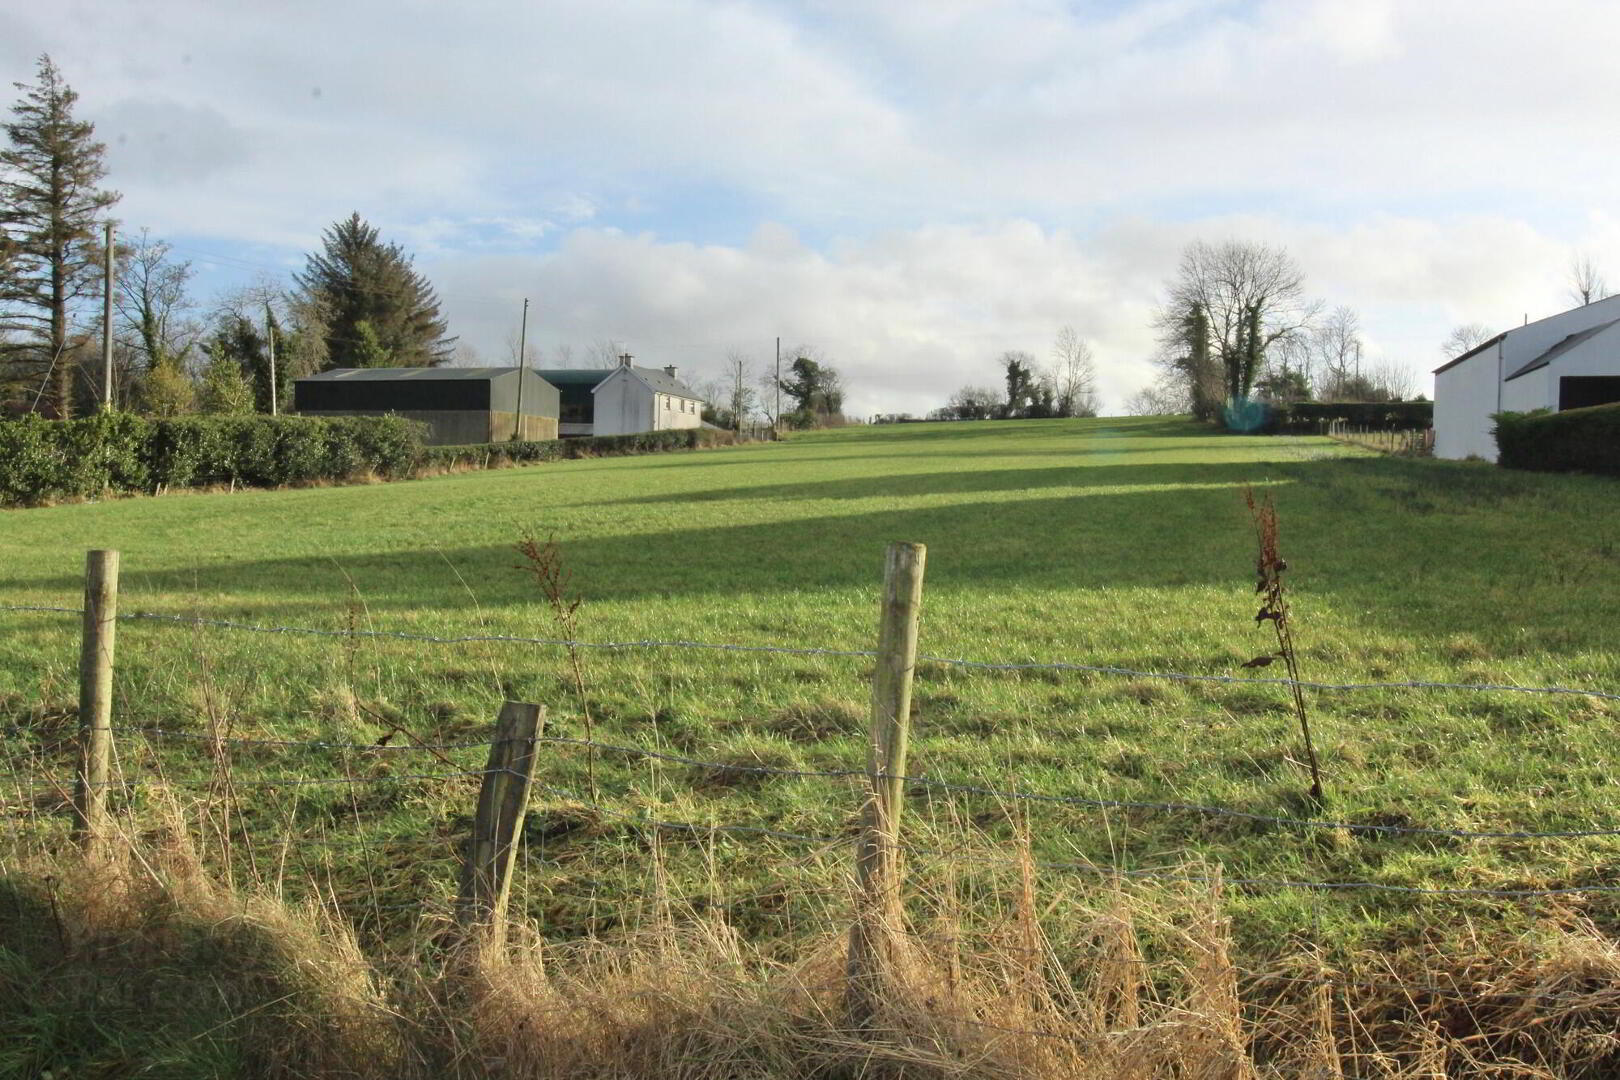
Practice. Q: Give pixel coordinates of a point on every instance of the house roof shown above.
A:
(659, 380)
(1471, 353)
(395, 374)
(1561, 348)
(665, 383)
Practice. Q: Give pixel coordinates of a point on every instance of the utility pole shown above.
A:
(106, 324)
(522, 364)
(776, 427)
(270, 344)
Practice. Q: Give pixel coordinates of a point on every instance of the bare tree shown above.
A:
(1251, 295)
(1074, 375)
(604, 352)
(1463, 338)
(1586, 282)
(740, 395)
(151, 301)
(973, 403)
(1333, 353)
(1161, 399)
(1392, 381)
(531, 351)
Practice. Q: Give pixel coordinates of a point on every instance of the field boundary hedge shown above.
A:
(499, 454)
(1309, 417)
(44, 461)
(1576, 440)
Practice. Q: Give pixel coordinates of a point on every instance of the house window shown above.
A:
(666, 403)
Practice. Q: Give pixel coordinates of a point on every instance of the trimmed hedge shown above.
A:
(1309, 417)
(1577, 440)
(45, 460)
(484, 455)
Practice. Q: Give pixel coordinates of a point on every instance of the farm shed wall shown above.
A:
(1464, 399)
(1466, 393)
(459, 405)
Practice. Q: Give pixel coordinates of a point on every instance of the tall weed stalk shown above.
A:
(545, 562)
(1269, 568)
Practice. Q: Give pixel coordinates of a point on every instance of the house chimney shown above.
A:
(670, 371)
(624, 359)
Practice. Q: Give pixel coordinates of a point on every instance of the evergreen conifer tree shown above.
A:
(376, 309)
(49, 203)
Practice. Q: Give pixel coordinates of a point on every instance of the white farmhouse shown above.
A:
(623, 400)
(1565, 361)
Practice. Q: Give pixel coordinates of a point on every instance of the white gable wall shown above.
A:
(1465, 396)
(1464, 399)
(625, 405)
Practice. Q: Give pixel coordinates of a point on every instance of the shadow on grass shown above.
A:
(1120, 525)
(1409, 545)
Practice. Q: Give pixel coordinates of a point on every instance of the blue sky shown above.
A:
(912, 187)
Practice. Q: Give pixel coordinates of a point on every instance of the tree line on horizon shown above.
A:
(1237, 332)
(1066, 387)
(358, 302)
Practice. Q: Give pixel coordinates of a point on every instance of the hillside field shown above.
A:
(1114, 542)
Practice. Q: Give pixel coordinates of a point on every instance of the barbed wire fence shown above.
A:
(507, 779)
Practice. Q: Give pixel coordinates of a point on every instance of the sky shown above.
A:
(912, 188)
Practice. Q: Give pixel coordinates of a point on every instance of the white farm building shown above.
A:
(623, 400)
(1565, 361)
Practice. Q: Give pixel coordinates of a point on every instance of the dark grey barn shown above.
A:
(459, 405)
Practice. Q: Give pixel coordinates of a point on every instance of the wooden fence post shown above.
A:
(877, 858)
(486, 874)
(95, 697)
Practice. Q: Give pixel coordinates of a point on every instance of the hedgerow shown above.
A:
(1576, 440)
(47, 460)
(1309, 417)
(44, 461)
(484, 455)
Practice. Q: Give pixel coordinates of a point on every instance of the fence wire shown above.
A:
(922, 780)
(1077, 800)
(791, 650)
(65, 783)
(1108, 872)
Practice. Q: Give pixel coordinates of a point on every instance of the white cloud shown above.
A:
(970, 174)
(910, 315)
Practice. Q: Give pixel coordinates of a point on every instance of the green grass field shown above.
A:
(1108, 542)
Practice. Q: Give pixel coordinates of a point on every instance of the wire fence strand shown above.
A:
(1089, 868)
(1012, 794)
(1079, 800)
(791, 650)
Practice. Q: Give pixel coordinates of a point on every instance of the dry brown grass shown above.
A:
(1122, 982)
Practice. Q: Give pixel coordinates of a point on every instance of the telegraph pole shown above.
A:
(106, 324)
(270, 344)
(776, 426)
(523, 345)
